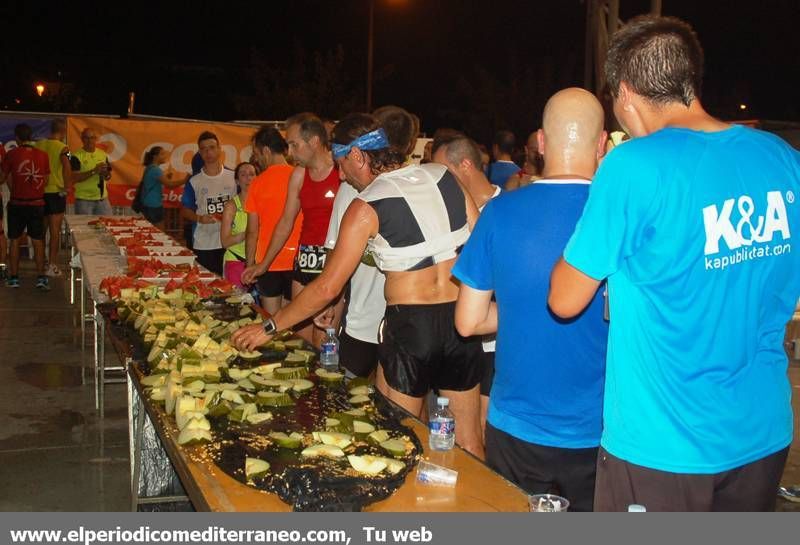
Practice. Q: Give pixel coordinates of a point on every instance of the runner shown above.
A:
(59, 183)
(312, 189)
(462, 156)
(413, 220)
(545, 414)
(691, 223)
(264, 206)
(204, 198)
(27, 168)
(234, 225)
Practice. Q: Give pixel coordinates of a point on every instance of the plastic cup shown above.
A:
(430, 473)
(547, 503)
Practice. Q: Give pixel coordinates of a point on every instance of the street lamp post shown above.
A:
(370, 40)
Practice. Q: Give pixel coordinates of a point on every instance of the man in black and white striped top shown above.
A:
(413, 220)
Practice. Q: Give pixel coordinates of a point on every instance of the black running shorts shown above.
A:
(22, 218)
(275, 284)
(420, 349)
(54, 203)
(357, 356)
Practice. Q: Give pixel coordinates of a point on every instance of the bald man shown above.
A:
(545, 411)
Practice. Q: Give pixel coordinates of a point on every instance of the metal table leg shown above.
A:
(98, 377)
(135, 433)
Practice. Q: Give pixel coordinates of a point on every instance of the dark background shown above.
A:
(474, 65)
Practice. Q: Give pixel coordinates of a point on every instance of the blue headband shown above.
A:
(371, 141)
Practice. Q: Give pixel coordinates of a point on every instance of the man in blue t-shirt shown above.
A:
(691, 223)
(544, 419)
(502, 168)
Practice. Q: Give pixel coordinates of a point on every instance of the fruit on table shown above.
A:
(292, 440)
(341, 440)
(397, 447)
(194, 436)
(329, 377)
(327, 451)
(255, 468)
(368, 465)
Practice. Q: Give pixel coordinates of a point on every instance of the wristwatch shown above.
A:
(270, 327)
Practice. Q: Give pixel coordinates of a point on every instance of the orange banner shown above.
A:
(126, 141)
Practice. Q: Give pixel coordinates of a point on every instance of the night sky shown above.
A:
(443, 59)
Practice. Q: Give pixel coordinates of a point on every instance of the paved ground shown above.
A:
(55, 454)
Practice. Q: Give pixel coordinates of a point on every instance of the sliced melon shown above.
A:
(159, 395)
(327, 451)
(233, 396)
(362, 429)
(329, 377)
(368, 465)
(294, 360)
(272, 384)
(307, 355)
(393, 466)
(397, 447)
(274, 399)
(295, 343)
(194, 386)
(289, 373)
(234, 300)
(378, 437)
(360, 390)
(255, 468)
(293, 440)
(194, 437)
(239, 374)
(197, 422)
(359, 400)
(258, 418)
(332, 423)
(301, 385)
(341, 440)
(154, 380)
(355, 412)
(251, 357)
(246, 384)
(219, 409)
(267, 368)
(242, 412)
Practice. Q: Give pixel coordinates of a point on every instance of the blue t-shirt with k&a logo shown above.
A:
(548, 381)
(693, 231)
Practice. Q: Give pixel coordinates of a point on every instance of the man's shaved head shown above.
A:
(573, 121)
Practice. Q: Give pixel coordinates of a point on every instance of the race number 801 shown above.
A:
(311, 259)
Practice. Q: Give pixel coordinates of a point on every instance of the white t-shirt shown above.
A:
(207, 195)
(367, 303)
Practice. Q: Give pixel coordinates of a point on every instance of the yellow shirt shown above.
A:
(89, 189)
(53, 149)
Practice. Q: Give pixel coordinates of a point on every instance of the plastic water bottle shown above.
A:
(442, 426)
(329, 350)
(636, 508)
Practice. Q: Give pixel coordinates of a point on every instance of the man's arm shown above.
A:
(476, 314)
(359, 222)
(251, 239)
(570, 290)
(66, 169)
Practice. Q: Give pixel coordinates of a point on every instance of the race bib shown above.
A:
(215, 204)
(311, 259)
